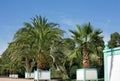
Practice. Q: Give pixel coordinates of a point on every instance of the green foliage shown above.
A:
(76, 57)
(73, 71)
(114, 40)
(8, 66)
(56, 74)
(89, 42)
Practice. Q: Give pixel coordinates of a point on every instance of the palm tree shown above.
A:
(35, 41)
(42, 34)
(10, 65)
(21, 48)
(17, 53)
(5, 60)
(83, 37)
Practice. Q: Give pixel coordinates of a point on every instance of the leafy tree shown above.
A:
(114, 40)
(60, 53)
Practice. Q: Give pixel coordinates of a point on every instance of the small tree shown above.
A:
(114, 40)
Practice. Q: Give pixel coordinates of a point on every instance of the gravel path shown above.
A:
(10, 79)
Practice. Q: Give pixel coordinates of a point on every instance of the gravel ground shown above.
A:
(11, 79)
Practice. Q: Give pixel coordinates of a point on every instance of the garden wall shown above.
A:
(111, 63)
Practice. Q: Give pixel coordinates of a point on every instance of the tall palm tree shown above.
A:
(34, 41)
(42, 34)
(83, 37)
(19, 53)
(22, 47)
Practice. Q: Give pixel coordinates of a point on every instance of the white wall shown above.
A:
(113, 68)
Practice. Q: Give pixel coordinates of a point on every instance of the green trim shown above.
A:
(38, 74)
(29, 73)
(112, 49)
(84, 74)
(105, 67)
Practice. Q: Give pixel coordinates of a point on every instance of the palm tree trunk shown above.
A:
(42, 62)
(39, 65)
(27, 64)
(85, 62)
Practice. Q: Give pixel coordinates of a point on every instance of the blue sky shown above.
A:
(103, 14)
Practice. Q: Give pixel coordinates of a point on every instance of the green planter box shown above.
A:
(29, 75)
(42, 75)
(13, 75)
(87, 74)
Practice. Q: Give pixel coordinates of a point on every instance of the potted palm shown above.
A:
(85, 37)
(42, 33)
